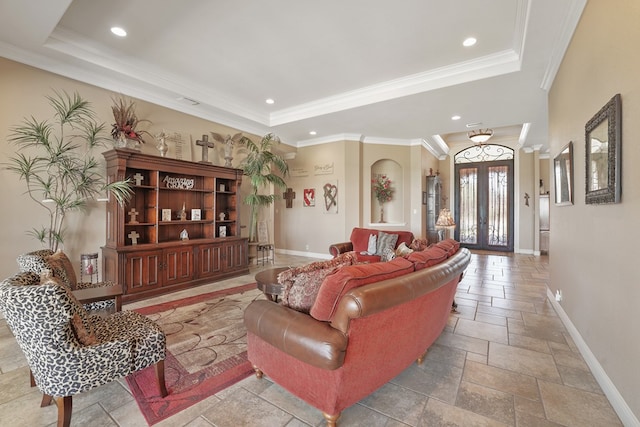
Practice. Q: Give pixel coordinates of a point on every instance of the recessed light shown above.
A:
(119, 31)
(470, 41)
(313, 132)
(456, 117)
(269, 101)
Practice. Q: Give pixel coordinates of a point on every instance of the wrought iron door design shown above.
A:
(484, 205)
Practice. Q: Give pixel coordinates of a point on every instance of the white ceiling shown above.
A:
(383, 71)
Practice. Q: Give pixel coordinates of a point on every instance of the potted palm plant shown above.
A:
(55, 160)
(260, 165)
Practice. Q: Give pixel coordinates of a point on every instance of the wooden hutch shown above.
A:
(179, 229)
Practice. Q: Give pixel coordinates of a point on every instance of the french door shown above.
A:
(484, 205)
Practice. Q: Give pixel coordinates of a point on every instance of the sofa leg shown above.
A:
(32, 381)
(162, 386)
(259, 373)
(421, 358)
(65, 406)
(46, 400)
(332, 420)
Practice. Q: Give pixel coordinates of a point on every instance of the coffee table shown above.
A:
(267, 282)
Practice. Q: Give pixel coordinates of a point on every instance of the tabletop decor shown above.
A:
(123, 131)
(383, 192)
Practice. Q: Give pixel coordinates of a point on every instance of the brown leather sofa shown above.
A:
(383, 317)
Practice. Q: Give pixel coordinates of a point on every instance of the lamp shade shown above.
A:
(445, 219)
(480, 136)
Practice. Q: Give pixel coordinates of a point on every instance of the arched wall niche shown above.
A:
(390, 212)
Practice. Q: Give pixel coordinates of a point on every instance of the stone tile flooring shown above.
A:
(504, 359)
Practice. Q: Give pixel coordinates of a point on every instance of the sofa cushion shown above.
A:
(301, 284)
(346, 278)
(430, 256)
(450, 246)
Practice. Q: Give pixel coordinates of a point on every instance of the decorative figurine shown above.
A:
(162, 145)
(228, 142)
(182, 215)
(184, 235)
(221, 215)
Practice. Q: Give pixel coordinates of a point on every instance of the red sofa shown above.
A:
(368, 323)
(360, 238)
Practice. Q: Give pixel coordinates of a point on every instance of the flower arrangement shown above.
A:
(382, 189)
(124, 113)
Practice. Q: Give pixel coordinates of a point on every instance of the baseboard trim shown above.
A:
(302, 253)
(625, 414)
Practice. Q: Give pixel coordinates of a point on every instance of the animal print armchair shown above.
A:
(60, 266)
(68, 350)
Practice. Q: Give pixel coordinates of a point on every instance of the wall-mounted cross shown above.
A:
(205, 144)
(289, 195)
(133, 216)
(526, 199)
(134, 237)
(138, 178)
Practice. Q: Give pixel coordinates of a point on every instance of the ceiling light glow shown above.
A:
(470, 41)
(269, 101)
(119, 31)
(456, 117)
(313, 132)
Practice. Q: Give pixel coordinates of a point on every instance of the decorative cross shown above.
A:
(134, 237)
(205, 144)
(526, 199)
(289, 196)
(133, 216)
(138, 178)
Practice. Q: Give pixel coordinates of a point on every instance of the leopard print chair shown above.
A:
(60, 265)
(68, 350)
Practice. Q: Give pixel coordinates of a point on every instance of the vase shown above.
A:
(381, 214)
(120, 141)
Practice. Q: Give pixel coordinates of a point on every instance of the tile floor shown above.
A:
(504, 359)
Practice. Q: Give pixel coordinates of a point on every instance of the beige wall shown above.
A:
(594, 249)
(23, 92)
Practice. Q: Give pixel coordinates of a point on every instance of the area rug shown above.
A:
(206, 350)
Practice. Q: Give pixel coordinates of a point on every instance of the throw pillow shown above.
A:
(419, 244)
(84, 335)
(387, 255)
(372, 246)
(450, 246)
(403, 250)
(432, 256)
(301, 284)
(386, 240)
(62, 268)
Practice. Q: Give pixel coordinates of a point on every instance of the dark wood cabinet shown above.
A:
(434, 190)
(179, 229)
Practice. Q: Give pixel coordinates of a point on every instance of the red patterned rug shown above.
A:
(206, 350)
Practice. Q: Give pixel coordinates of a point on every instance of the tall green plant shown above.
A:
(259, 166)
(54, 158)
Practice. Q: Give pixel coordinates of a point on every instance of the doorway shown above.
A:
(484, 200)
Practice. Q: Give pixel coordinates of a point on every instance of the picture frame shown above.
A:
(166, 214)
(309, 197)
(196, 215)
(424, 197)
(603, 151)
(563, 176)
(222, 231)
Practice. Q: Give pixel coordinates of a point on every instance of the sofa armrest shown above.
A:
(296, 334)
(340, 248)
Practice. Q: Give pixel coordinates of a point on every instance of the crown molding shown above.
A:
(503, 62)
(562, 42)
